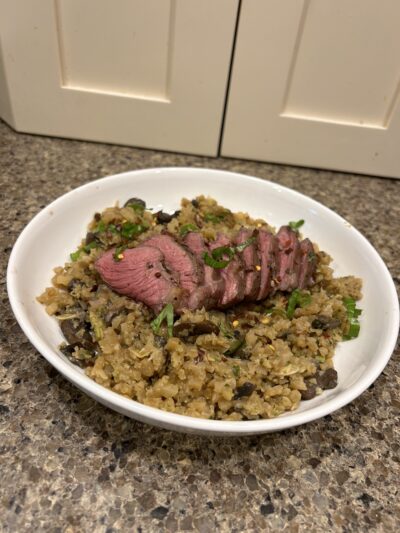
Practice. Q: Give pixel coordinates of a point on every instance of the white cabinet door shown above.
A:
(150, 73)
(317, 83)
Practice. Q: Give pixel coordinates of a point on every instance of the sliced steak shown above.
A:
(212, 287)
(233, 275)
(141, 275)
(162, 270)
(178, 259)
(267, 249)
(288, 259)
(308, 264)
(250, 260)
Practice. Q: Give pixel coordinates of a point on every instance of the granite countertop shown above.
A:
(69, 464)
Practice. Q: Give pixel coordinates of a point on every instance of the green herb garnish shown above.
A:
(83, 249)
(351, 308)
(226, 331)
(209, 217)
(187, 228)
(137, 207)
(129, 229)
(97, 325)
(167, 314)
(101, 227)
(297, 299)
(216, 260)
(112, 228)
(234, 347)
(296, 224)
(214, 217)
(75, 255)
(118, 254)
(136, 204)
(244, 244)
(352, 314)
(311, 256)
(236, 371)
(354, 331)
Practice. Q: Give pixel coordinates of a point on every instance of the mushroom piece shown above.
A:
(328, 379)
(244, 390)
(70, 331)
(163, 218)
(86, 358)
(325, 322)
(190, 329)
(310, 392)
(76, 334)
(135, 201)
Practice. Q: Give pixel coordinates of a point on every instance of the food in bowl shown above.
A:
(203, 312)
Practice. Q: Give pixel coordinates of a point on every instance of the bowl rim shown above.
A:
(176, 421)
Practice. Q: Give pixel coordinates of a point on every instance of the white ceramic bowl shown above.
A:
(57, 229)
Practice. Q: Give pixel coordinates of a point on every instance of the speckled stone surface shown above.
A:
(67, 464)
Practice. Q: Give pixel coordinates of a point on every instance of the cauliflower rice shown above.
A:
(255, 363)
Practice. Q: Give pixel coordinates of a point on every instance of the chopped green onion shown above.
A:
(101, 227)
(167, 313)
(97, 325)
(296, 224)
(296, 299)
(216, 260)
(209, 217)
(138, 208)
(90, 246)
(351, 308)
(212, 217)
(353, 332)
(236, 371)
(226, 331)
(118, 253)
(222, 251)
(244, 244)
(187, 228)
(311, 256)
(234, 347)
(129, 230)
(112, 228)
(76, 255)
(136, 204)
(213, 263)
(352, 314)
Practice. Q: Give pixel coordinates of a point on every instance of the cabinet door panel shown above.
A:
(151, 73)
(317, 83)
